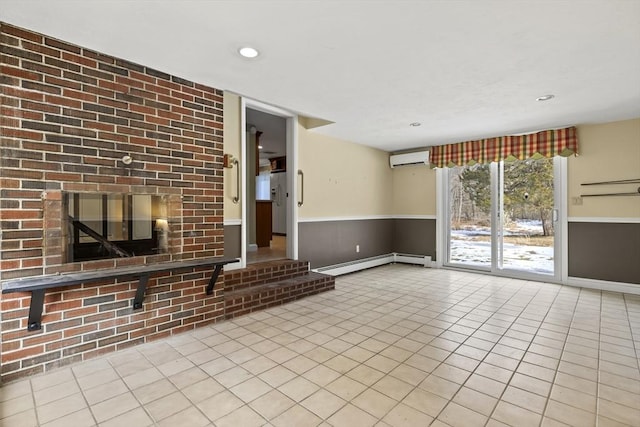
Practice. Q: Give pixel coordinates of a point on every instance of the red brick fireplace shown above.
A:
(69, 116)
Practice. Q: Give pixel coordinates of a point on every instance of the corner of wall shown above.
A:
(232, 141)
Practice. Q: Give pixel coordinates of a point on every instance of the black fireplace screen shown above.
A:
(100, 226)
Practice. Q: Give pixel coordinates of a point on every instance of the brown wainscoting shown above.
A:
(415, 236)
(333, 242)
(232, 241)
(605, 251)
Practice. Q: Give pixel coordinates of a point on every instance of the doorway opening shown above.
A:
(503, 217)
(267, 183)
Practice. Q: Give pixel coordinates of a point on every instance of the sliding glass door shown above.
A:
(527, 220)
(470, 218)
(502, 217)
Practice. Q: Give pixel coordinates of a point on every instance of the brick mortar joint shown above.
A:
(40, 106)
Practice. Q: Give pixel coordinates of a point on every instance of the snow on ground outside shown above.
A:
(466, 250)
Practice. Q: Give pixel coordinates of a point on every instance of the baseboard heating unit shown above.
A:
(364, 263)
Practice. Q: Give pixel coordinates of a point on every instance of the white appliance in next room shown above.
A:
(279, 198)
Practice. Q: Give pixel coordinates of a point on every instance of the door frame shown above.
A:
(292, 166)
(560, 274)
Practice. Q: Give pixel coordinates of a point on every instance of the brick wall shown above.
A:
(269, 284)
(68, 116)
(261, 273)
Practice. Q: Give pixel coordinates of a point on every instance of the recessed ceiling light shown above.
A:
(415, 124)
(545, 97)
(248, 52)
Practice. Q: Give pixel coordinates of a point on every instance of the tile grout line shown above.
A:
(129, 390)
(598, 378)
(436, 317)
(379, 352)
(488, 352)
(506, 302)
(425, 344)
(633, 342)
(562, 350)
(75, 377)
(193, 404)
(460, 344)
(541, 322)
(380, 301)
(33, 400)
(598, 384)
(499, 399)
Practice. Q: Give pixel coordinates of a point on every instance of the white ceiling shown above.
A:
(465, 69)
(273, 139)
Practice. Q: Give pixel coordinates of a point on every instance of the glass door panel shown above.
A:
(527, 216)
(470, 242)
(502, 217)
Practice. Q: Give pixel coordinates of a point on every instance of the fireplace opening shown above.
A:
(101, 226)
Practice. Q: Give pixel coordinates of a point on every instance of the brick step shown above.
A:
(263, 273)
(261, 296)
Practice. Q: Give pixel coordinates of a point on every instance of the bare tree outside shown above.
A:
(528, 192)
(526, 216)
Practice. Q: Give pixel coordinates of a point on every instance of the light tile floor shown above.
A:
(391, 346)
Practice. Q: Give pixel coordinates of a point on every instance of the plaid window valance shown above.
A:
(548, 143)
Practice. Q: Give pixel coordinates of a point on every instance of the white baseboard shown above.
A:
(425, 261)
(603, 285)
(362, 264)
(357, 265)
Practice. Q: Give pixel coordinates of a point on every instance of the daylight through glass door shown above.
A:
(501, 216)
(527, 220)
(470, 216)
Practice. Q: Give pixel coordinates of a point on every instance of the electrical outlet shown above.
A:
(357, 248)
(576, 201)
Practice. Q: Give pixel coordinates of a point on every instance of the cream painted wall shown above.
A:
(342, 179)
(414, 190)
(609, 151)
(231, 129)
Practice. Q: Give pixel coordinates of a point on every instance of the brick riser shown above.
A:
(262, 273)
(282, 286)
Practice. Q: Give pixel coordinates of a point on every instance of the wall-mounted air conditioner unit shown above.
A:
(419, 157)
